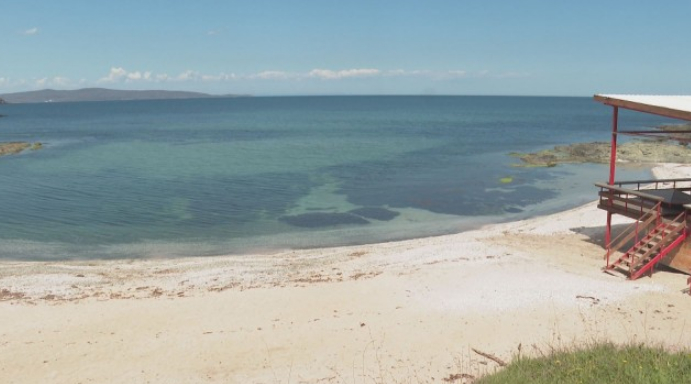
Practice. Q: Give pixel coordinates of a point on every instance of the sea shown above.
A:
(235, 176)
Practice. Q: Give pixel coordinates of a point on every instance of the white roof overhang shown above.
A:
(677, 107)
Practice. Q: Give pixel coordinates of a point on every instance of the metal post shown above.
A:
(613, 155)
(612, 171)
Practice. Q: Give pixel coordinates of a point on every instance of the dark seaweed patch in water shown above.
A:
(323, 219)
(375, 213)
(430, 182)
(513, 210)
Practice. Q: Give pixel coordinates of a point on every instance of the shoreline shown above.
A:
(404, 311)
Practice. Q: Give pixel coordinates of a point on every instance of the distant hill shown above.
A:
(100, 94)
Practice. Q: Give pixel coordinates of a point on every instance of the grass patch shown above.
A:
(601, 363)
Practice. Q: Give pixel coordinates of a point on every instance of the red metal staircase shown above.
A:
(654, 237)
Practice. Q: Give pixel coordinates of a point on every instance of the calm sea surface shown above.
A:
(225, 176)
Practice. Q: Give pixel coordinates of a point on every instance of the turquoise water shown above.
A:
(225, 176)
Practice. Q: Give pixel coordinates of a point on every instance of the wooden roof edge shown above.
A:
(643, 107)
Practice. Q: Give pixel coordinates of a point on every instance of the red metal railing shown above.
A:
(632, 232)
(655, 184)
(672, 234)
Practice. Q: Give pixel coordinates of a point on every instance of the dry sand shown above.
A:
(401, 312)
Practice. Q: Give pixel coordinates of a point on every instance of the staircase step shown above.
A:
(616, 273)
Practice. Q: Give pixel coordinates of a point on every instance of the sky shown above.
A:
(353, 47)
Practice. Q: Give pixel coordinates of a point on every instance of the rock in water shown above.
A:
(13, 148)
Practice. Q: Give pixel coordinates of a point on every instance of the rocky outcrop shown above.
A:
(2, 101)
(13, 148)
(640, 152)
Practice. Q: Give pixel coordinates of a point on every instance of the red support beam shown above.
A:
(612, 173)
(613, 155)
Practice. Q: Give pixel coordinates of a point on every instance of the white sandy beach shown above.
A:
(400, 312)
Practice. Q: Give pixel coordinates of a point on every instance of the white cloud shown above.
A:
(407, 72)
(31, 31)
(49, 82)
(61, 81)
(116, 74)
(271, 75)
(120, 75)
(8, 82)
(448, 75)
(220, 77)
(187, 75)
(328, 74)
(456, 73)
(214, 31)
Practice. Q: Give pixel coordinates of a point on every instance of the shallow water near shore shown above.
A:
(228, 176)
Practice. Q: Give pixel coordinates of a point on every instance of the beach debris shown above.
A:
(368, 275)
(490, 356)
(323, 219)
(594, 300)
(375, 213)
(6, 294)
(459, 376)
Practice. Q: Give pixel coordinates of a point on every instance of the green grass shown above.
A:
(601, 363)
